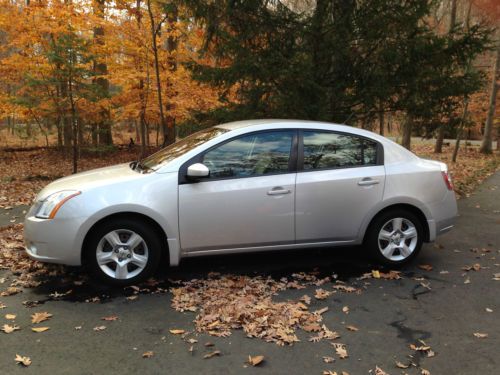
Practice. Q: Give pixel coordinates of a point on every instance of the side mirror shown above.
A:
(197, 170)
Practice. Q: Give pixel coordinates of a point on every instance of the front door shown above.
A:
(248, 198)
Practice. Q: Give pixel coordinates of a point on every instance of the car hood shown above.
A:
(91, 179)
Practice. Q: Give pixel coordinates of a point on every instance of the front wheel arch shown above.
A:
(130, 215)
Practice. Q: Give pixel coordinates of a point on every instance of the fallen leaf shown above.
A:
(321, 311)
(379, 371)
(328, 359)
(148, 354)
(467, 281)
(192, 341)
(391, 275)
(40, 317)
(99, 328)
(208, 344)
(425, 372)
(425, 267)
(376, 274)
(422, 348)
(321, 294)
(489, 310)
(340, 349)
(306, 299)
(480, 335)
(40, 329)
(110, 318)
(177, 331)
(352, 328)
(9, 329)
(10, 316)
(401, 365)
(344, 288)
(312, 327)
(212, 354)
(345, 309)
(255, 361)
(25, 361)
(496, 276)
(10, 292)
(328, 372)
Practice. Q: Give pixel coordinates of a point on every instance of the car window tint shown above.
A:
(251, 155)
(334, 150)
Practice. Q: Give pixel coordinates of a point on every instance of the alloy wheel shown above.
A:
(122, 254)
(397, 239)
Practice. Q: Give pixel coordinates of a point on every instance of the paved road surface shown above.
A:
(390, 315)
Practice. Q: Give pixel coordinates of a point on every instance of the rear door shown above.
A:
(340, 179)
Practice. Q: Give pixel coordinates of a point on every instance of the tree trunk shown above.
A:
(172, 68)
(459, 131)
(407, 129)
(487, 144)
(101, 69)
(381, 118)
(141, 126)
(438, 148)
(155, 28)
(74, 127)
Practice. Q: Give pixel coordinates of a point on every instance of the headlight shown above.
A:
(48, 208)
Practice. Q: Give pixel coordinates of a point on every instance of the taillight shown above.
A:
(447, 180)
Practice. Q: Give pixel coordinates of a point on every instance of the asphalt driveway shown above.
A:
(444, 307)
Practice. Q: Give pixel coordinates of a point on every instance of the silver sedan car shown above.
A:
(246, 186)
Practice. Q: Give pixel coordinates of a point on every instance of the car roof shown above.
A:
(278, 123)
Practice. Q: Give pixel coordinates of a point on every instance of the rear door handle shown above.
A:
(278, 191)
(368, 182)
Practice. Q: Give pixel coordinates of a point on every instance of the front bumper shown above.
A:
(54, 240)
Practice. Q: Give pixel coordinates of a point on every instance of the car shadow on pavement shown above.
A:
(73, 285)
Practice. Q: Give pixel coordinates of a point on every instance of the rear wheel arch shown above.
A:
(162, 236)
(407, 207)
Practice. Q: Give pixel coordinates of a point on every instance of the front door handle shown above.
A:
(278, 191)
(368, 182)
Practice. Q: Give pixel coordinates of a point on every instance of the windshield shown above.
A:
(177, 149)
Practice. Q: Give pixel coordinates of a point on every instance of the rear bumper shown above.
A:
(52, 241)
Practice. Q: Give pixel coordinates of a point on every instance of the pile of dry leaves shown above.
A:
(14, 258)
(226, 302)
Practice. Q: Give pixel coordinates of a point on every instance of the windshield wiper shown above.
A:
(139, 167)
(133, 164)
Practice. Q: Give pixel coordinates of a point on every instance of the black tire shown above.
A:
(149, 236)
(380, 221)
